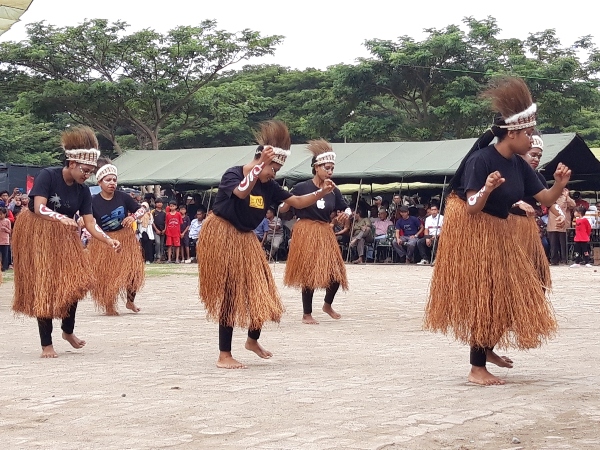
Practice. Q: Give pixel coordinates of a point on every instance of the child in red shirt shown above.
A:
(583, 231)
(172, 230)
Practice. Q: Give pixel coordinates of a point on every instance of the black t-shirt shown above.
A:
(246, 214)
(530, 200)
(521, 180)
(62, 198)
(321, 210)
(160, 219)
(110, 213)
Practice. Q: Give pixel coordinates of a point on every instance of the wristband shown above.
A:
(248, 179)
(45, 211)
(140, 212)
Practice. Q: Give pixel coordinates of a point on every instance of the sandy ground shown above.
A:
(372, 380)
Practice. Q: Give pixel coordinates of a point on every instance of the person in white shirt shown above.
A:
(433, 227)
(195, 228)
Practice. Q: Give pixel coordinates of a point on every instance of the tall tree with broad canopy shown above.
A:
(111, 80)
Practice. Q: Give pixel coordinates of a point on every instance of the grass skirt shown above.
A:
(236, 282)
(115, 273)
(314, 260)
(528, 237)
(484, 288)
(52, 269)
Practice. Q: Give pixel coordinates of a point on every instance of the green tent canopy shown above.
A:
(380, 162)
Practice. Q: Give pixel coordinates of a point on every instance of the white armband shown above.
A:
(248, 179)
(45, 211)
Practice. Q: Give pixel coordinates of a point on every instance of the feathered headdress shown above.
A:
(322, 152)
(537, 142)
(275, 133)
(80, 145)
(511, 98)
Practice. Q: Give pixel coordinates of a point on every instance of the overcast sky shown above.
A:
(320, 33)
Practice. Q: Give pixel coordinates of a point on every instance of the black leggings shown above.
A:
(45, 326)
(479, 356)
(307, 297)
(226, 335)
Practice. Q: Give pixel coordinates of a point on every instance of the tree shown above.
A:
(429, 90)
(111, 80)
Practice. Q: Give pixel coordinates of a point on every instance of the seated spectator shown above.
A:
(422, 214)
(195, 227)
(274, 236)
(261, 230)
(341, 229)
(407, 230)
(361, 234)
(382, 223)
(433, 226)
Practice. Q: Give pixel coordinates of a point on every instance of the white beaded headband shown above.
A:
(524, 119)
(83, 156)
(323, 158)
(105, 170)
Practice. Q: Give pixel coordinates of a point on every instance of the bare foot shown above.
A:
(500, 361)
(329, 310)
(480, 375)
(48, 352)
(226, 361)
(309, 320)
(132, 306)
(255, 347)
(112, 312)
(73, 340)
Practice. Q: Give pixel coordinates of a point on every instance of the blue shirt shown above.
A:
(410, 226)
(262, 228)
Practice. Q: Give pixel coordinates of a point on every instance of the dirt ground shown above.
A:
(372, 380)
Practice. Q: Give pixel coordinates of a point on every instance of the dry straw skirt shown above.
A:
(115, 273)
(236, 282)
(528, 237)
(485, 290)
(314, 260)
(52, 269)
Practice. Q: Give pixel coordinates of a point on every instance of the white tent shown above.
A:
(10, 12)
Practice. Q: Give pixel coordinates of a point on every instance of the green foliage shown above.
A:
(149, 90)
(111, 80)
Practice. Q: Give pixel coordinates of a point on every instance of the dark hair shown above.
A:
(581, 210)
(201, 208)
(3, 210)
(173, 202)
(270, 208)
(4, 192)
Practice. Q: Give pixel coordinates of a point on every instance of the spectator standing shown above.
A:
(583, 231)
(557, 228)
(185, 236)
(145, 232)
(173, 231)
(195, 228)
(5, 231)
(159, 222)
